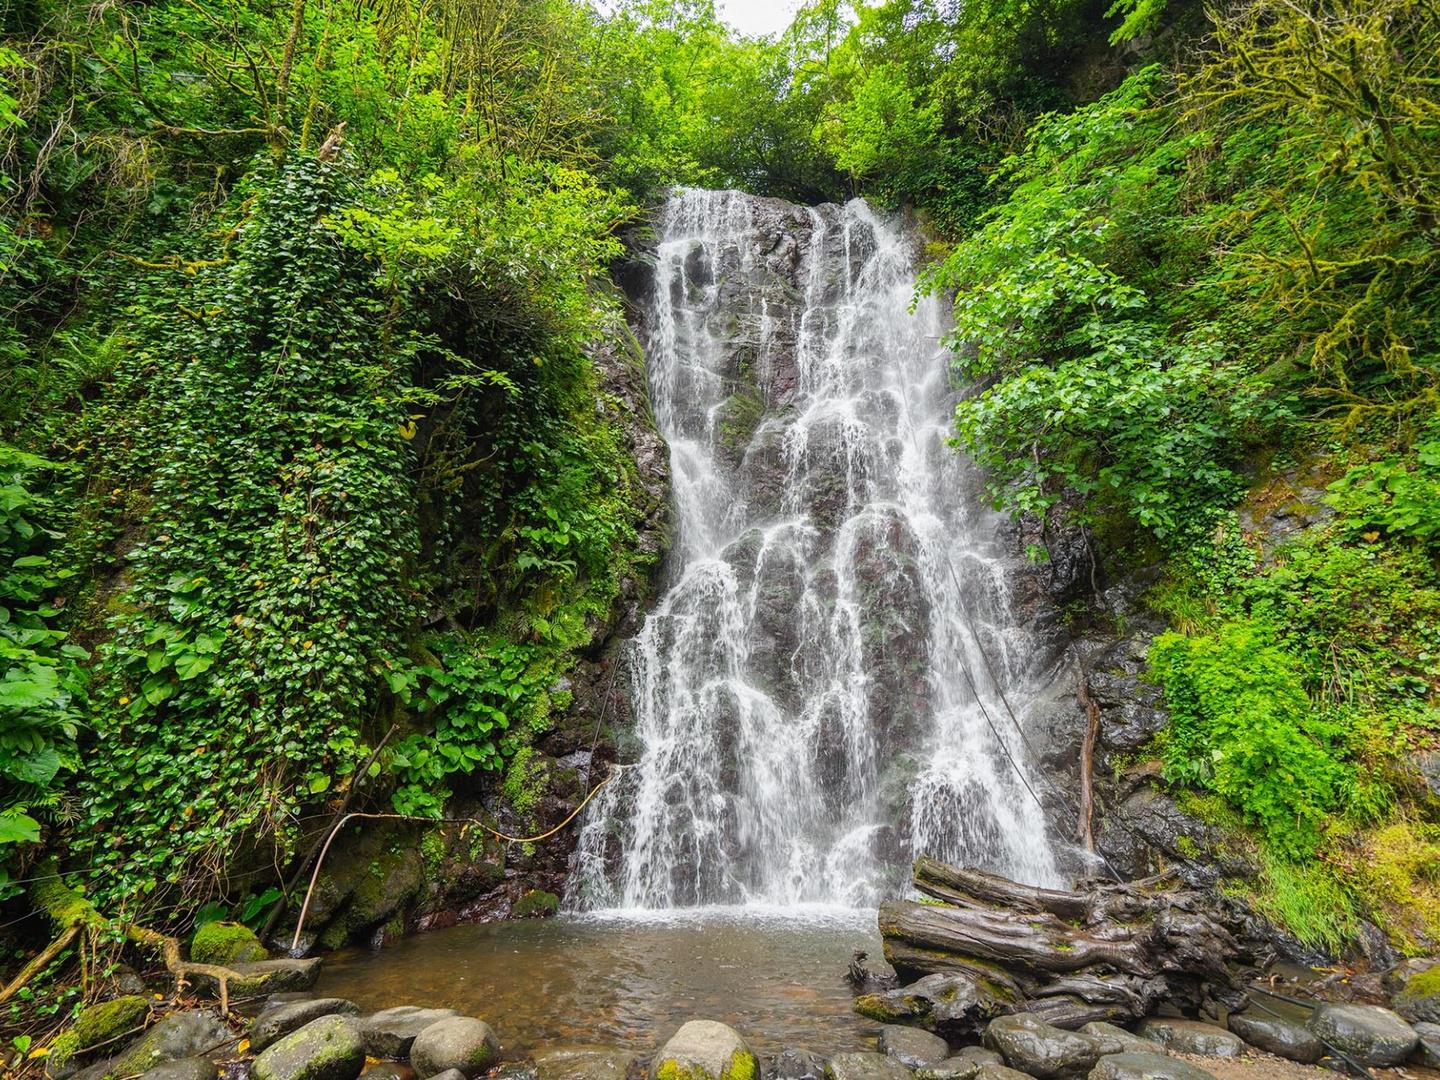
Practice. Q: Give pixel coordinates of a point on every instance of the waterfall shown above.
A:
(824, 689)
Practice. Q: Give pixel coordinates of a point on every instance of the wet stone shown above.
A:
(1040, 1049)
(1369, 1034)
(1138, 1066)
(390, 1033)
(1192, 1037)
(455, 1043)
(1427, 1052)
(329, 1048)
(1278, 1037)
(190, 1068)
(274, 1024)
(912, 1047)
(389, 1070)
(1000, 1072)
(865, 1066)
(584, 1063)
(179, 1035)
(798, 1065)
(1114, 1039)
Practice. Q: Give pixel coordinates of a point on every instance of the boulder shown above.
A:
(799, 1065)
(329, 1048)
(389, 1033)
(1427, 1052)
(1000, 1072)
(1114, 1039)
(179, 1035)
(389, 1070)
(585, 1063)
(1419, 999)
(226, 943)
(190, 1068)
(1278, 1037)
(948, 1003)
(1369, 1034)
(912, 1047)
(1040, 1049)
(956, 1068)
(457, 1042)
(705, 1050)
(1394, 980)
(1139, 1066)
(1192, 1037)
(96, 1024)
(865, 1066)
(979, 1055)
(274, 1024)
(449, 1074)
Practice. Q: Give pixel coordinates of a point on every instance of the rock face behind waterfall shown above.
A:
(818, 694)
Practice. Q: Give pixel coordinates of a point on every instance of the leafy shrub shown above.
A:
(1242, 726)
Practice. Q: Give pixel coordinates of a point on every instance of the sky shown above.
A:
(758, 16)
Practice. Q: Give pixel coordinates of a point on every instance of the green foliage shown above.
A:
(1310, 899)
(42, 690)
(1398, 496)
(1242, 726)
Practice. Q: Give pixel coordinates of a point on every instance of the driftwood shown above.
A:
(1106, 952)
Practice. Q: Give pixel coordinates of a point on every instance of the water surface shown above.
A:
(622, 979)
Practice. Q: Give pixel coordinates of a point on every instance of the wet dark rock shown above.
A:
(1139, 1066)
(1114, 1039)
(1000, 1072)
(1369, 1034)
(798, 1065)
(456, 1043)
(267, 977)
(389, 1070)
(190, 1068)
(705, 1050)
(329, 1048)
(912, 1047)
(1373, 946)
(1427, 1051)
(1042, 1050)
(1419, 998)
(951, 1005)
(1192, 1037)
(390, 1033)
(273, 1024)
(584, 1063)
(979, 1055)
(865, 1066)
(953, 1068)
(1278, 1037)
(450, 1074)
(179, 1035)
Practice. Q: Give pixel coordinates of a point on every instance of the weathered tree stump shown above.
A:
(1109, 952)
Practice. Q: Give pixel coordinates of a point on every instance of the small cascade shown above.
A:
(824, 689)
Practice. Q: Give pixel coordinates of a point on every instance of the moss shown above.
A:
(536, 903)
(526, 781)
(98, 1024)
(226, 943)
(1401, 874)
(741, 1067)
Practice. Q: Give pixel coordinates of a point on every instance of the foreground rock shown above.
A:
(912, 1047)
(799, 1065)
(274, 1024)
(462, 1043)
(594, 1063)
(864, 1066)
(1369, 1034)
(954, 1005)
(190, 1068)
(1419, 998)
(705, 1050)
(1116, 1040)
(179, 1035)
(1278, 1037)
(390, 1033)
(1427, 1053)
(1040, 1049)
(1192, 1037)
(329, 1048)
(1000, 1072)
(1138, 1066)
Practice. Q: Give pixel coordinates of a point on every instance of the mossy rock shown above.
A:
(705, 1050)
(97, 1024)
(1419, 1000)
(226, 943)
(537, 903)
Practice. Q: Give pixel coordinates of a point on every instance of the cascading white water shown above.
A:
(806, 690)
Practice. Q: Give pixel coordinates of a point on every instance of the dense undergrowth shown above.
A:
(311, 484)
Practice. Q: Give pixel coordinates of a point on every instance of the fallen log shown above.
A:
(1105, 951)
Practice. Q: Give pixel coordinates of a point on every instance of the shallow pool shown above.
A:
(629, 979)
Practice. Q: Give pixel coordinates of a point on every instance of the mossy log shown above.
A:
(71, 915)
(1110, 951)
